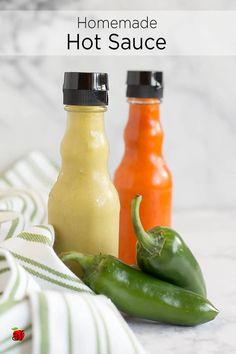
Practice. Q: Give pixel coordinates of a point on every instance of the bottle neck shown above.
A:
(84, 147)
(79, 111)
(144, 132)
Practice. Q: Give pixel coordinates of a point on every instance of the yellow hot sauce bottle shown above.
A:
(83, 204)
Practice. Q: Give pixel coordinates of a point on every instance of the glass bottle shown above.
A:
(143, 169)
(83, 204)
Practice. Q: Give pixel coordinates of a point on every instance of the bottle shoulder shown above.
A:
(143, 161)
(154, 172)
(89, 189)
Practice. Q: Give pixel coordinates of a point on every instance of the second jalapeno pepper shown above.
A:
(162, 253)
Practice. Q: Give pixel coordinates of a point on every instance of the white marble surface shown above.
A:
(212, 237)
(198, 116)
(198, 110)
(118, 5)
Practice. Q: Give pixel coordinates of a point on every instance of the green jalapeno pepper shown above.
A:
(141, 295)
(162, 253)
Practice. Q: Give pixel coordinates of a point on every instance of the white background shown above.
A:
(198, 110)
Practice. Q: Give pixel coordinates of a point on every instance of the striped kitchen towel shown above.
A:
(39, 295)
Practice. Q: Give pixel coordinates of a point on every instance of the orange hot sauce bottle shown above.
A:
(143, 169)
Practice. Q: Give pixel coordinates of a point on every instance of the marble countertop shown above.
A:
(212, 237)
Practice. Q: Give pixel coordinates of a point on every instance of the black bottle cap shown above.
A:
(146, 84)
(85, 89)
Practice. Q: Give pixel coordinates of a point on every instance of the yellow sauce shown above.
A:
(83, 205)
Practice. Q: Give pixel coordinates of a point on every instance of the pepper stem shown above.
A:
(85, 261)
(144, 238)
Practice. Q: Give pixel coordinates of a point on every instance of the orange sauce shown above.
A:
(142, 171)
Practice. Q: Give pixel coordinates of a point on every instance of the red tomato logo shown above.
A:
(18, 334)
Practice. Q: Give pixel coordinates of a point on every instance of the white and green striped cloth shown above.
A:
(38, 293)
